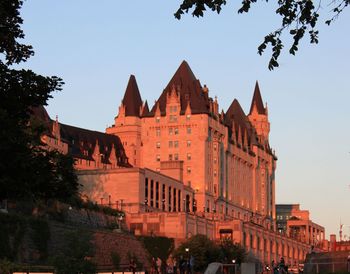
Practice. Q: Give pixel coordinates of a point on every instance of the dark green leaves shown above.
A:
(199, 6)
(300, 16)
(28, 171)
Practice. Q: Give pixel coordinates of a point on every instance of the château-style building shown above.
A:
(184, 167)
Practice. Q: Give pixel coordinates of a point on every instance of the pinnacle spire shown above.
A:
(257, 101)
(145, 109)
(132, 98)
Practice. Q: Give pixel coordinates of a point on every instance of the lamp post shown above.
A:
(189, 263)
(234, 265)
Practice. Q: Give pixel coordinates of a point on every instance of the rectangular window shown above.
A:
(152, 186)
(188, 143)
(163, 197)
(188, 156)
(146, 191)
(176, 131)
(189, 130)
(170, 143)
(188, 117)
(158, 145)
(170, 131)
(176, 157)
(157, 195)
(173, 118)
(158, 132)
(169, 196)
(157, 119)
(188, 170)
(170, 157)
(176, 143)
(158, 158)
(174, 199)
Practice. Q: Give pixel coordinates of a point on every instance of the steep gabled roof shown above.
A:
(82, 144)
(132, 98)
(189, 88)
(236, 115)
(40, 114)
(257, 101)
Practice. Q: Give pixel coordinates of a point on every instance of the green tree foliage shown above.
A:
(75, 257)
(230, 251)
(6, 266)
(299, 17)
(115, 257)
(28, 171)
(158, 247)
(202, 249)
(206, 251)
(12, 230)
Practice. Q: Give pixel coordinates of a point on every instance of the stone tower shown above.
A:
(128, 122)
(258, 116)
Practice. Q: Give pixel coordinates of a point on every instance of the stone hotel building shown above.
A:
(184, 167)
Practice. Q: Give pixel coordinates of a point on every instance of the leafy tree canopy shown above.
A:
(299, 17)
(158, 247)
(201, 248)
(206, 251)
(27, 169)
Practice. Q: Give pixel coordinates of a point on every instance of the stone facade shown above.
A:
(196, 170)
(223, 158)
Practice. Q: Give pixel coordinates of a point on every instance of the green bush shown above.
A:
(6, 267)
(76, 255)
(132, 256)
(40, 236)
(115, 257)
(12, 230)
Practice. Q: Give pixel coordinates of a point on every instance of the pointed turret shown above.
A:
(132, 99)
(258, 116)
(257, 102)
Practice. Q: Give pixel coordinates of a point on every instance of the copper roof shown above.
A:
(189, 88)
(257, 100)
(132, 98)
(82, 142)
(236, 115)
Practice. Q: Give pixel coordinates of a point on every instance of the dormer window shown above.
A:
(173, 118)
(173, 109)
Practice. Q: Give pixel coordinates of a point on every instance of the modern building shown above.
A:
(341, 245)
(296, 223)
(184, 167)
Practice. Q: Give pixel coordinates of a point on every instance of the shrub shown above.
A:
(115, 257)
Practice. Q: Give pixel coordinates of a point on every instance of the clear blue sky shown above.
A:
(95, 46)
